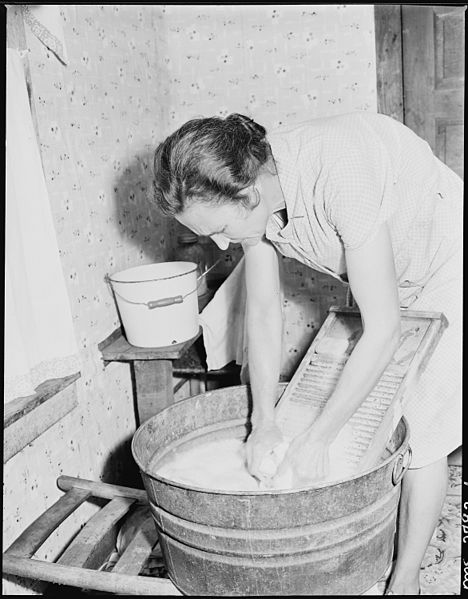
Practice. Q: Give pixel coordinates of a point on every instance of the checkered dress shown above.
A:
(342, 177)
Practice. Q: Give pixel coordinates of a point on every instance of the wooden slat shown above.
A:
(85, 547)
(17, 408)
(89, 579)
(138, 550)
(28, 427)
(423, 314)
(104, 490)
(37, 533)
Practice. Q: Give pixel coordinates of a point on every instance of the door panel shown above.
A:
(433, 78)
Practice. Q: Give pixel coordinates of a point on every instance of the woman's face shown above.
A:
(228, 223)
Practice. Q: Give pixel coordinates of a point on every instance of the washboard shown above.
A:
(362, 441)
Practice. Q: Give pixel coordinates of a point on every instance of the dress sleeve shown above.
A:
(359, 194)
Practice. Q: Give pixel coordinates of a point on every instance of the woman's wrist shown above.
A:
(262, 418)
(323, 431)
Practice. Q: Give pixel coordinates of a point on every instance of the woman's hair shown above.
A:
(209, 160)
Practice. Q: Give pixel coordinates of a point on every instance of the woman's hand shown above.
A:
(260, 443)
(307, 460)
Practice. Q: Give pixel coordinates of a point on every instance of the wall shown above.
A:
(278, 65)
(135, 74)
(98, 119)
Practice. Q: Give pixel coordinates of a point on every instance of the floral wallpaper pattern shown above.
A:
(135, 73)
(278, 64)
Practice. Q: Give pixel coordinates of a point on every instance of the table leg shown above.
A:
(154, 387)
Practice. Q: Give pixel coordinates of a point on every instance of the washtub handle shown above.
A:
(401, 466)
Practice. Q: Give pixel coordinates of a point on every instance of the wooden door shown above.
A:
(433, 55)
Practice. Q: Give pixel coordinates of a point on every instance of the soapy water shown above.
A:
(221, 464)
(217, 464)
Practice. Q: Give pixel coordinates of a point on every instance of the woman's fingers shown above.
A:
(308, 461)
(259, 448)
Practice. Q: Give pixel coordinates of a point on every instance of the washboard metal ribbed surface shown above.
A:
(362, 441)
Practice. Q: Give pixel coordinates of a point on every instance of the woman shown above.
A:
(361, 197)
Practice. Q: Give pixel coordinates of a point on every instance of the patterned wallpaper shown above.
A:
(135, 73)
(278, 64)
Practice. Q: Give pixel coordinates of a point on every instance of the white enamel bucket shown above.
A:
(157, 303)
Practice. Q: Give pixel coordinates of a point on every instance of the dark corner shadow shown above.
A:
(136, 217)
(120, 468)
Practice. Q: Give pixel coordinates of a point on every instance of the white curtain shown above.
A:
(39, 337)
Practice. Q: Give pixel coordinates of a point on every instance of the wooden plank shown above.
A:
(37, 533)
(138, 550)
(27, 428)
(103, 490)
(17, 408)
(154, 385)
(121, 350)
(90, 579)
(419, 70)
(90, 547)
(405, 314)
(387, 18)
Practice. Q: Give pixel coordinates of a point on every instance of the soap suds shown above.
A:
(218, 464)
(221, 464)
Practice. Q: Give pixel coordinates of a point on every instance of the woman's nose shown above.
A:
(221, 241)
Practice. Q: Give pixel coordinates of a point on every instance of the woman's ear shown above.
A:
(270, 165)
(254, 198)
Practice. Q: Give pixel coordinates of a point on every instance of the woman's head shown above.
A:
(205, 171)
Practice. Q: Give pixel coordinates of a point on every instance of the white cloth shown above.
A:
(39, 336)
(223, 322)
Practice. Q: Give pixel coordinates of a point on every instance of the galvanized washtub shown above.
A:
(333, 539)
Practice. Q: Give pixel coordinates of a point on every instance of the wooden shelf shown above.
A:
(117, 349)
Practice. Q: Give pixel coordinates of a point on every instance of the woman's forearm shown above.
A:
(360, 374)
(264, 331)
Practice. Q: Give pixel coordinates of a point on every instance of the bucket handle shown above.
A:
(401, 466)
(152, 304)
(166, 301)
